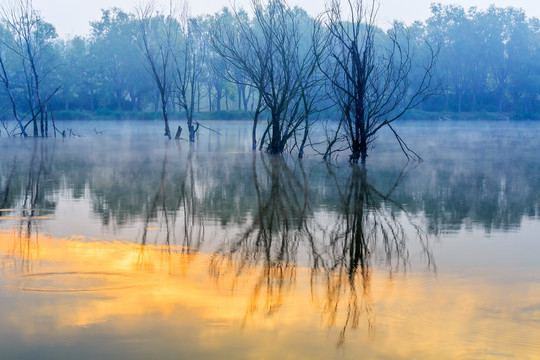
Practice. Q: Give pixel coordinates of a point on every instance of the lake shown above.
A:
(120, 244)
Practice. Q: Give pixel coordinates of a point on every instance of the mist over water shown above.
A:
(168, 249)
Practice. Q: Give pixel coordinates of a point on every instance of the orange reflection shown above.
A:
(81, 284)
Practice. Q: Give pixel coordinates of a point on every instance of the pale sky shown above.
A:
(72, 17)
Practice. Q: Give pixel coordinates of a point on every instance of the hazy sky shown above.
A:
(71, 17)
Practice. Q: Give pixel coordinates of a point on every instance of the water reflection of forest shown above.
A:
(336, 221)
(124, 184)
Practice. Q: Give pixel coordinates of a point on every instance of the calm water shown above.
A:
(123, 245)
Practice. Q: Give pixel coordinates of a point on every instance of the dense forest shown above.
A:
(273, 62)
(488, 62)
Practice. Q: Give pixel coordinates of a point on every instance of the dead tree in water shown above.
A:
(369, 74)
(275, 57)
(188, 67)
(158, 36)
(174, 57)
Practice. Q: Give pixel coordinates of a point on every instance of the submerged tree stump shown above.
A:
(178, 133)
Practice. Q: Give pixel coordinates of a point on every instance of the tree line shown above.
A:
(277, 63)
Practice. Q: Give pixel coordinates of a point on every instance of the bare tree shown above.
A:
(188, 66)
(174, 51)
(7, 85)
(275, 57)
(368, 74)
(31, 42)
(158, 37)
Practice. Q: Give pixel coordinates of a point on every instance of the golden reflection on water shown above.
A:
(12, 218)
(62, 285)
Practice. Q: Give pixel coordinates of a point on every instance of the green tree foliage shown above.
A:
(114, 37)
(487, 59)
(488, 62)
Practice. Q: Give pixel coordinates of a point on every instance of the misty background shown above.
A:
(488, 63)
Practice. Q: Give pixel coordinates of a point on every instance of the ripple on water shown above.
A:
(73, 282)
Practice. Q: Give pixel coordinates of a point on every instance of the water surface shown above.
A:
(125, 245)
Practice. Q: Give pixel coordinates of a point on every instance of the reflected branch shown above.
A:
(367, 226)
(273, 237)
(174, 199)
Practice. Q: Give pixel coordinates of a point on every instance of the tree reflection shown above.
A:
(28, 193)
(270, 243)
(367, 226)
(174, 209)
(29, 183)
(122, 179)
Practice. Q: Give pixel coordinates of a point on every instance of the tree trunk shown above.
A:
(304, 139)
(165, 116)
(199, 98)
(363, 150)
(239, 92)
(41, 121)
(36, 131)
(46, 120)
(209, 98)
(218, 98)
(192, 129)
(275, 146)
(156, 101)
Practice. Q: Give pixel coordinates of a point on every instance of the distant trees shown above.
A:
(81, 75)
(114, 38)
(30, 40)
(275, 63)
(368, 74)
(487, 59)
